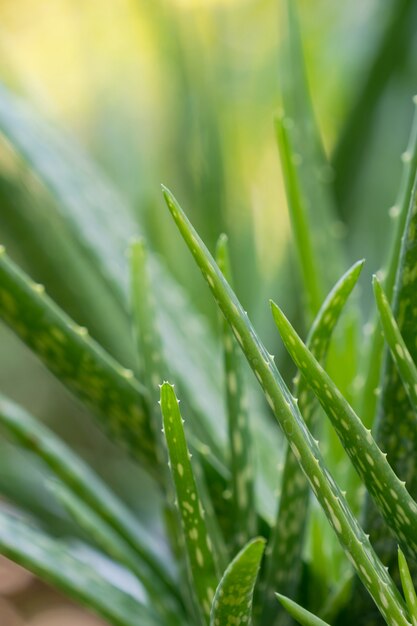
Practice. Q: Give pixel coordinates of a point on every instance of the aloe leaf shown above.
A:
(395, 429)
(155, 371)
(108, 540)
(240, 441)
(311, 277)
(232, 603)
(408, 587)
(52, 561)
(82, 481)
(202, 561)
(90, 211)
(351, 536)
(283, 557)
(389, 493)
(400, 211)
(399, 351)
(98, 219)
(302, 616)
(110, 390)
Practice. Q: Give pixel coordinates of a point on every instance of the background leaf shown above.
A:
(234, 595)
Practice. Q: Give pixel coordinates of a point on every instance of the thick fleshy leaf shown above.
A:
(389, 493)
(240, 439)
(285, 546)
(408, 587)
(401, 212)
(110, 390)
(52, 561)
(302, 233)
(199, 546)
(395, 428)
(87, 487)
(302, 616)
(285, 408)
(233, 600)
(102, 535)
(92, 213)
(155, 370)
(399, 351)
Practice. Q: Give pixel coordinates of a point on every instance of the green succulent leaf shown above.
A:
(350, 534)
(97, 530)
(408, 587)
(401, 211)
(240, 440)
(88, 209)
(233, 600)
(302, 616)
(52, 561)
(395, 426)
(155, 371)
(199, 546)
(399, 351)
(283, 559)
(389, 493)
(87, 488)
(68, 351)
(302, 232)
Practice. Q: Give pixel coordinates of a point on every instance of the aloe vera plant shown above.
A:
(269, 499)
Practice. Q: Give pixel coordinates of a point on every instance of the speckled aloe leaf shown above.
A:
(301, 615)
(199, 546)
(408, 587)
(52, 561)
(387, 490)
(92, 212)
(155, 370)
(395, 428)
(399, 351)
(240, 440)
(351, 536)
(103, 536)
(88, 488)
(107, 388)
(400, 212)
(232, 603)
(285, 546)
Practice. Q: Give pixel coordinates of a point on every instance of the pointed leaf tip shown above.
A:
(301, 615)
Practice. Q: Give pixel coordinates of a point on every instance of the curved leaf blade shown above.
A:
(389, 493)
(52, 562)
(202, 561)
(66, 349)
(350, 534)
(86, 485)
(408, 587)
(232, 603)
(91, 212)
(98, 531)
(301, 615)
(399, 351)
(283, 558)
(240, 440)
(401, 209)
